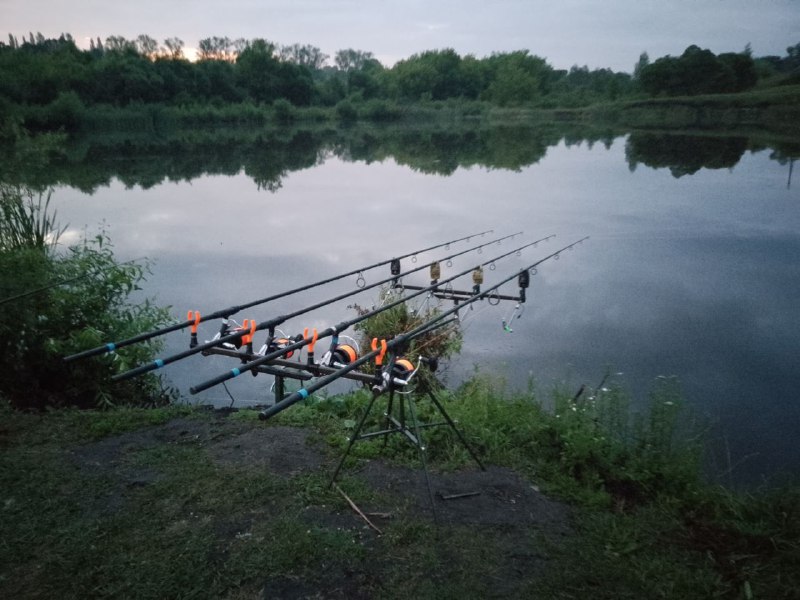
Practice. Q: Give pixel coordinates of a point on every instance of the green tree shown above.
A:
(435, 74)
(220, 48)
(265, 78)
(516, 78)
(147, 46)
(304, 56)
(642, 63)
(698, 71)
(349, 59)
(174, 47)
(117, 43)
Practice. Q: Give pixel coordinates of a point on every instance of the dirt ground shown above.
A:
(495, 500)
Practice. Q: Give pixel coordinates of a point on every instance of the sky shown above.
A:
(596, 33)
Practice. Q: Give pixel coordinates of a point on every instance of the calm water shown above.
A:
(691, 269)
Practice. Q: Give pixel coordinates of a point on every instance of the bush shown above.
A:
(380, 110)
(439, 344)
(345, 111)
(284, 111)
(55, 304)
(66, 112)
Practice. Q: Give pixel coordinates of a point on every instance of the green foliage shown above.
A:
(284, 111)
(589, 446)
(379, 110)
(26, 223)
(66, 111)
(55, 81)
(698, 71)
(57, 304)
(440, 343)
(346, 111)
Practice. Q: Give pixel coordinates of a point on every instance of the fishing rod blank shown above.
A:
(272, 323)
(332, 331)
(398, 341)
(231, 310)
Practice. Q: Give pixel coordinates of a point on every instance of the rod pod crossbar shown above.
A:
(232, 310)
(331, 331)
(275, 322)
(399, 341)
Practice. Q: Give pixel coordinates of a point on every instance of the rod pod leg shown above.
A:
(452, 424)
(388, 415)
(353, 437)
(422, 456)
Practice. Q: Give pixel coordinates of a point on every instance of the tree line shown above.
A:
(38, 71)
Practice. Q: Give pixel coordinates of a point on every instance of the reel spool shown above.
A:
(402, 369)
(344, 354)
(280, 344)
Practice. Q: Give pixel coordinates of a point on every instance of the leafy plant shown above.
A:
(55, 304)
(438, 344)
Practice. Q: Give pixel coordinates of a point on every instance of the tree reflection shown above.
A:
(268, 155)
(684, 154)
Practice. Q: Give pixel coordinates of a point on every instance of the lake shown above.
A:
(691, 269)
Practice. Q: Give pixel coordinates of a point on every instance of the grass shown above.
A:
(772, 107)
(164, 519)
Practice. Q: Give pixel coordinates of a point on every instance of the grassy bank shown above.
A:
(775, 109)
(179, 502)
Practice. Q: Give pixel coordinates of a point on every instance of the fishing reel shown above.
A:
(341, 355)
(402, 371)
(280, 343)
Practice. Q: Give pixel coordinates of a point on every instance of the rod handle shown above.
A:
(200, 387)
(91, 352)
(291, 399)
(152, 366)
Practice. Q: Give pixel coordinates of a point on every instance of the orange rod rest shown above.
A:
(193, 315)
(379, 357)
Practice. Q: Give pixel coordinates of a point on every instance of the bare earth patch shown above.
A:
(496, 503)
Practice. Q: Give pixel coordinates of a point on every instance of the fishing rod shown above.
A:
(399, 341)
(333, 331)
(271, 324)
(308, 370)
(232, 310)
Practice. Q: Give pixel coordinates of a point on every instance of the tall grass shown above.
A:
(26, 220)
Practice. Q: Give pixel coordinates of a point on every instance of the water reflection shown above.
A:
(268, 156)
(690, 271)
(684, 154)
